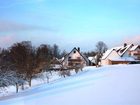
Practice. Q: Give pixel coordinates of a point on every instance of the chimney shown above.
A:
(78, 49)
(125, 44)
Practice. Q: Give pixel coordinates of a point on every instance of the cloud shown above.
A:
(133, 39)
(8, 26)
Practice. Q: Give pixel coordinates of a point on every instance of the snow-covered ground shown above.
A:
(109, 85)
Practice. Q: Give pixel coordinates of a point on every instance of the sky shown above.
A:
(70, 23)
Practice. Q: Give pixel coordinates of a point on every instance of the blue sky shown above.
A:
(70, 23)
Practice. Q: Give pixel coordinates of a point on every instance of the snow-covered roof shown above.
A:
(87, 60)
(134, 48)
(62, 59)
(123, 59)
(107, 53)
(124, 49)
(92, 59)
(117, 48)
(120, 50)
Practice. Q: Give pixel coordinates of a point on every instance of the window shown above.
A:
(74, 51)
(69, 57)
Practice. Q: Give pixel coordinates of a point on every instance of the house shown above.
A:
(135, 52)
(120, 55)
(75, 59)
(55, 64)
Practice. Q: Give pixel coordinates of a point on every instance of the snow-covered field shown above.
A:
(110, 85)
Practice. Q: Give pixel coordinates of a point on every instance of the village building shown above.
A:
(135, 52)
(55, 64)
(75, 59)
(121, 55)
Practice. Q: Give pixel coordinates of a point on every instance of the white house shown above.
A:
(119, 55)
(75, 58)
(106, 59)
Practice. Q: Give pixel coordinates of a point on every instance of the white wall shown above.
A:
(74, 56)
(105, 62)
(112, 55)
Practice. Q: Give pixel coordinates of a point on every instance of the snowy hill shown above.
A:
(110, 85)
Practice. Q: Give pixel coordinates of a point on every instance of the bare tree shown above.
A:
(101, 47)
(21, 62)
(23, 56)
(63, 53)
(92, 53)
(44, 55)
(56, 51)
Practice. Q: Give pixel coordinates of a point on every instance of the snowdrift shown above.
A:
(109, 85)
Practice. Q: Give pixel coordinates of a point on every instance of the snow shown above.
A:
(123, 59)
(56, 66)
(125, 49)
(118, 50)
(118, 54)
(107, 53)
(107, 85)
(92, 59)
(134, 48)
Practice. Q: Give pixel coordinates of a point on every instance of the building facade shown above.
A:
(121, 55)
(75, 59)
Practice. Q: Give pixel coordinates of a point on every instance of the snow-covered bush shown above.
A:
(10, 77)
(6, 78)
(64, 73)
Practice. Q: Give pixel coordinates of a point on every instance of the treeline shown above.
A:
(20, 62)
